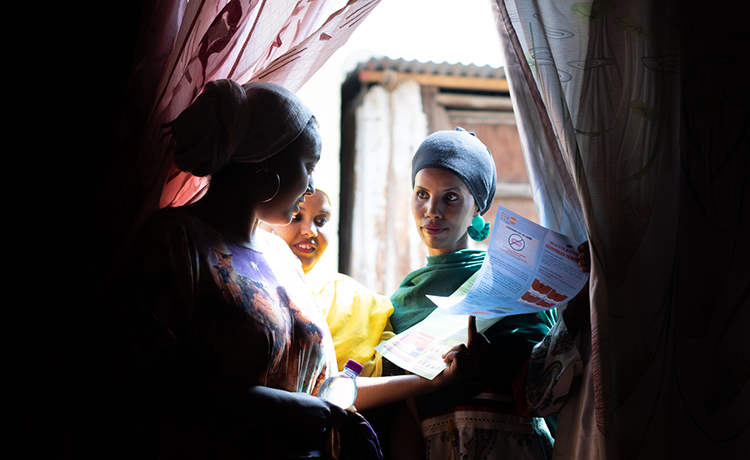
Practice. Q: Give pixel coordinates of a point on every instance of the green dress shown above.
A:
(450, 415)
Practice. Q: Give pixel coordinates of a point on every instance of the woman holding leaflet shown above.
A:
(495, 411)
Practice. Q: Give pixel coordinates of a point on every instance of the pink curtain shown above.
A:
(182, 45)
(634, 122)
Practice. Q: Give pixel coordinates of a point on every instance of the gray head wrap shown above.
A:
(238, 124)
(461, 153)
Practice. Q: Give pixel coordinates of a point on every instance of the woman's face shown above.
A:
(307, 235)
(443, 209)
(294, 165)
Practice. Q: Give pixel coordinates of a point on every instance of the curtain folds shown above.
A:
(634, 124)
(183, 45)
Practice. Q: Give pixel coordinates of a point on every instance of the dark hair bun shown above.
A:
(202, 131)
(244, 124)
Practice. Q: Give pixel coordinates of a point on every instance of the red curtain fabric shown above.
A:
(182, 45)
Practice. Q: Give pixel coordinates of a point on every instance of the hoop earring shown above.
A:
(265, 182)
(479, 230)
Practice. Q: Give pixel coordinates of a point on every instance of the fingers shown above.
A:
(453, 352)
(584, 258)
(476, 343)
(473, 337)
(468, 354)
(472, 331)
(462, 359)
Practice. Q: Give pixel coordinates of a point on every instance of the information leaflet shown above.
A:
(527, 269)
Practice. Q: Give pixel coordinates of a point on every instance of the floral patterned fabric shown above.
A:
(202, 320)
(253, 315)
(554, 362)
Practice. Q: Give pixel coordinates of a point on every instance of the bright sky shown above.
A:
(430, 30)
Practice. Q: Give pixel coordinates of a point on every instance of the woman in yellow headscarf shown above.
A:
(358, 318)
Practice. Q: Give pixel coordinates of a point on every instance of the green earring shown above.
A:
(479, 229)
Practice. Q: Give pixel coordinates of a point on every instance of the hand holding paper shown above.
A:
(584, 257)
(527, 269)
(463, 358)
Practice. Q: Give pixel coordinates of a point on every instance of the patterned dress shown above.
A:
(202, 319)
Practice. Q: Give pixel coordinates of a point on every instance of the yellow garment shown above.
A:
(357, 317)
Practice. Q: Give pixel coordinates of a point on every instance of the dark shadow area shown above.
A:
(63, 188)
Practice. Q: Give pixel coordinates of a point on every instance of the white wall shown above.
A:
(322, 93)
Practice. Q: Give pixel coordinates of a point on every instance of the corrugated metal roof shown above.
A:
(432, 68)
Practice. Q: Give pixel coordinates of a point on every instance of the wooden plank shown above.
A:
(484, 116)
(513, 190)
(442, 81)
(470, 101)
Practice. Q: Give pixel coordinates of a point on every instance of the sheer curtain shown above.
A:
(634, 123)
(182, 45)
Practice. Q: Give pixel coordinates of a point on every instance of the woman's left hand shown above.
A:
(463, 358)
(584, 257)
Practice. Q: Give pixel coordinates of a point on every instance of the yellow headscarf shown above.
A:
(357, 317)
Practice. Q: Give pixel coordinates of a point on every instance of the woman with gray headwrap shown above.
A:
(220, 346)
(482, 415)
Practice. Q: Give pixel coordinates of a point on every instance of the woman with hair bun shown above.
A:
(217, 348)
